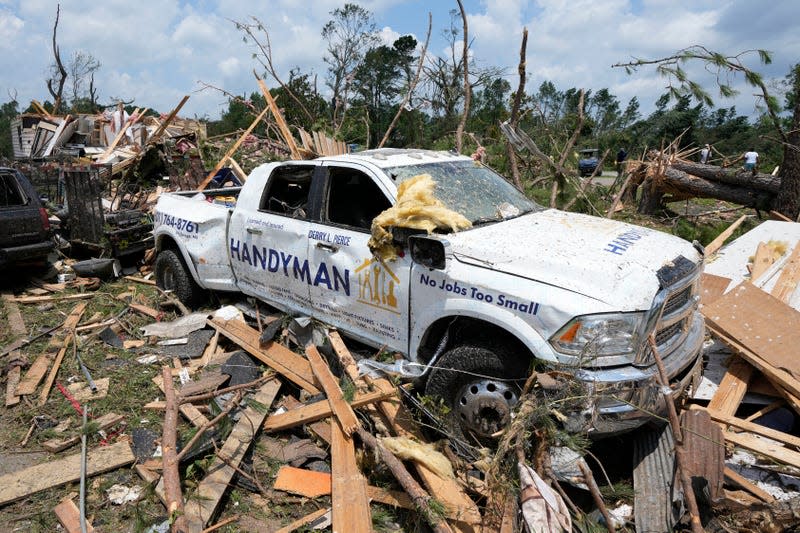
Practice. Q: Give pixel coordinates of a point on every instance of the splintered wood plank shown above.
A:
(349, 488)
(51, 377)
(41, 299)
(733, 387)
(760, 322)
(765, 448)
(322, 409)
(789, 277)
(39, 367)
(12, 380)
(22, 483)
(752, 427)
(321, 428)
(712, 287)
(104, 422)
(147, 311)
(748, 485)
(69, 516)
(14, 317)
(763, 259)
(345, 357)
(307, 519)
(281, 359)
(717, 243)
(200, 508)
(344, 413)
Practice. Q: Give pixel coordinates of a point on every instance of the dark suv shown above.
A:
(24, 227)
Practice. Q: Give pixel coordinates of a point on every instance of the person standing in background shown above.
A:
(751, 161)
(705, 154)
(621, 156)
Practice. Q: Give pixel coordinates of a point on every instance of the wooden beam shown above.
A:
(232, 150)
(789, 277)
(322, 409)
(69, 516)
(767, 449)
(132, 119)
(752, 427)
(58, 298)
(22, 483)
(281, 359)
(732, 388)
(237, 170)
(349, 501)
(341, 409)
(717, 243)
(200, 508)
(748, 485)
(39, 367)
(104, 422)
(163, 126)
(188, 410)
(279, 120)
(51, 377)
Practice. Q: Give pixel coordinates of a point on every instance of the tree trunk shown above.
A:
(514, 118)
(788, 200)
(674, 180)
(732, 176)
(467, 89)
(652, 195)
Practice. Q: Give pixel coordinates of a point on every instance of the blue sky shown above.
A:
(155, 51)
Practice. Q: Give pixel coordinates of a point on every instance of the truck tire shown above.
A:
(172, 275)
(479, 386)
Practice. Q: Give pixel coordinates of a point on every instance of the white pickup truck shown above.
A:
(526, 287)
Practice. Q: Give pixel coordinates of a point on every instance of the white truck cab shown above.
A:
(525, 288)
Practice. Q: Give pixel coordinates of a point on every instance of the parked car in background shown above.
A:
(587, 161)
(24, 225)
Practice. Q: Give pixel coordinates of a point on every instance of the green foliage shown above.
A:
(8, 112)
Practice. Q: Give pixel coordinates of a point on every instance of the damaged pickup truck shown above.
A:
(524, 287)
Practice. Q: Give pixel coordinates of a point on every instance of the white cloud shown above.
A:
(229, 66)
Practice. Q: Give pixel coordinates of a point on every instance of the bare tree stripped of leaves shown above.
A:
(467, 88)
(58, 74)
(264, 57)
(726, 68)
(443, 77)
(82, 65)
(350, 33)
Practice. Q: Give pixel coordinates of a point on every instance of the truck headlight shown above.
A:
(601, 335)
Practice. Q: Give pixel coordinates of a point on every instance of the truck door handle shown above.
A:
(327, 247)
(254, 231)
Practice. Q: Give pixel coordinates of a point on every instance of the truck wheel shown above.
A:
(172, 275)
(479, 387)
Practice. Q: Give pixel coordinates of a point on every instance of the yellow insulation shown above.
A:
(416, 208)
(423, 453)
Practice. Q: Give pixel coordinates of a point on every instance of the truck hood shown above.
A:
(612, 262)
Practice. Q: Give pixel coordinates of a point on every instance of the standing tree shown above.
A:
(788, 199)
(350, 33)
(58, 74)
(82, 65)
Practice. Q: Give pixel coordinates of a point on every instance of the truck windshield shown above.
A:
(470, 188)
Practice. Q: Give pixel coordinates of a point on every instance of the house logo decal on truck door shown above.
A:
(376, 285)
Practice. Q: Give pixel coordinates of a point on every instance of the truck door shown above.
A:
(352, 290)
(268, 239)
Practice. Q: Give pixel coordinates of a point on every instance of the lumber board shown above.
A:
(341, 409)
(789, 277)
(147, 311)
(752, 427)
(56, 298)
(712, 287)
(18, 485)
(733, 387)
(14, 317)
(307, 519)
(279, 120)
(762, 323)
(200, 508)
(349, 503)
(321, 428)
(69, 516)
(768, 449)
(748, 485)
(163, 126)
(322, 409)
(143, 281)
(344, 355)
(12, 380)
(762, 260)
(51, 377)
(104, 422)
(39, 367)
(717, 243)
(281, 359)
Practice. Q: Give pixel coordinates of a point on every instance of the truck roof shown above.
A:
(396, 157)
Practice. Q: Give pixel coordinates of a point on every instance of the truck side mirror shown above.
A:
(428, 252)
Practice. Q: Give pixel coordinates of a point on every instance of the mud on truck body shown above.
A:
(526, 287)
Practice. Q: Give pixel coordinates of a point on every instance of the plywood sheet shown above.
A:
(761, 323)
(712, 287)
